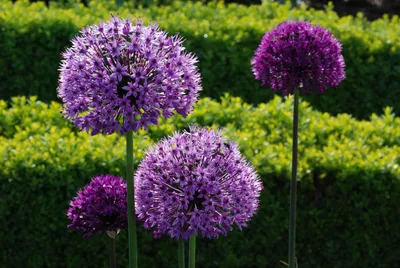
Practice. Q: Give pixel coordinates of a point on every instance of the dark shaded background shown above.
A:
(372, 9)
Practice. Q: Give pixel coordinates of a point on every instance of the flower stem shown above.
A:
(293, 184)
(113, 260)
(133, 263)
(181, 253)
(192, 251)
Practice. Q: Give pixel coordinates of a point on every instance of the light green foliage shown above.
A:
(349, 186)
(222, 36)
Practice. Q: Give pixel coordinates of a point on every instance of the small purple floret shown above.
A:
(195, 183)
(120, 76)
(299, 55)
(100, 206)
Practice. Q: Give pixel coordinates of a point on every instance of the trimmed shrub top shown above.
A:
(32, 131)
(224, 37)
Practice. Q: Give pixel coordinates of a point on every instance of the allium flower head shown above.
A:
(195, 183)
(299, 55)
(121, 76)
(100, 206)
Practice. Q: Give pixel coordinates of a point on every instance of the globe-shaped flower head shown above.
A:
(120, 76)
(195, 183)
(100, 206)
(299, 55)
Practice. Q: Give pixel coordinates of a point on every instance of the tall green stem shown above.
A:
(181, 253)
(192, 251)
(133, 262)
(293, 184)
(113, 260)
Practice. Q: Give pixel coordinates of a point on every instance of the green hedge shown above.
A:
(349, 187)
(223, 36)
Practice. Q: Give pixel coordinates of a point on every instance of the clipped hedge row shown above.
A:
(223, 36)
(156, 2)
(349, 187)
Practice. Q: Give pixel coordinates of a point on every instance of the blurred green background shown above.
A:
(224, 38)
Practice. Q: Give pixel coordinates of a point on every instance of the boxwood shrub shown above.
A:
(349, 187)
(224, 38)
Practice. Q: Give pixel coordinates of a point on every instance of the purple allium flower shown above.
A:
(120, 76)
(299, 55)
(100, 206)
(195, 183)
